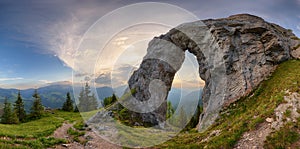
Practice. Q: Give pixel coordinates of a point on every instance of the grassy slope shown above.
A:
(286, 137)
(245, 114)
(35, 134)
(242, 116)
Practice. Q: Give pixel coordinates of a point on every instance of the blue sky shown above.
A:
(37, 37)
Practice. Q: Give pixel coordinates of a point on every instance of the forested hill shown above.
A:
(52, 95)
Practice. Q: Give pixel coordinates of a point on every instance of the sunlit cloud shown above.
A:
(20, 83)
(188, 84)
(11, 79)
(115, 78)
(45, 81)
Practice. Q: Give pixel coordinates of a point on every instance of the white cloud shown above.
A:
(45, 81)
(66, 34)
(298, 27)
(11, 79)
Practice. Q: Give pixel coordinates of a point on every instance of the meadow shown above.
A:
(242, 116)
(37, 133)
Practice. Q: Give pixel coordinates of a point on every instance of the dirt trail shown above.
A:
(98, 143)
(94, 141)
(62, 131)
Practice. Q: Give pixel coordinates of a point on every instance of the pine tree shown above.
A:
(6, 112)
(14, 118)
(19, 108)
(93, 103)
(37, 107)
(87, 102)
(113, 98)
(76, 109)
(82, 105)
(182, 118)
(9, 116)
(195, 118)
(109, 100)
(106, 101)
(68, 104)
(170, 109)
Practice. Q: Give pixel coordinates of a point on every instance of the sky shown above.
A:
(39, 39)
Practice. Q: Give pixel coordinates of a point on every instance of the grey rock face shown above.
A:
(234, 55)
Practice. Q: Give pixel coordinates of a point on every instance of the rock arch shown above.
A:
(234, 55)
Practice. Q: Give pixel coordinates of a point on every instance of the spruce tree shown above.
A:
(14, 118)
(195, 118)
(76, 109)
(170, 109)
(6, 112)
(182, 118)
(9, 116)
(37, 107)
(68, 104)
(113, 98)
(93, 103)
(109, 100)
(82, 105)
(87, 102)
(19, 108)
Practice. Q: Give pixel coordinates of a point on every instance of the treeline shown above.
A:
(13, 114)
(17, 113)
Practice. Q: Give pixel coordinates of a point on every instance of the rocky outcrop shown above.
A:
(256, 138)
(234, 55)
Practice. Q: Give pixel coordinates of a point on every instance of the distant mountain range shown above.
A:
(186, 99)
(53, 95)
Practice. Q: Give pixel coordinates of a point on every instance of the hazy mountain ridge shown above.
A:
(53, 95)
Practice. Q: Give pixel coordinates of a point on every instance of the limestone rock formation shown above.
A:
(234, 55)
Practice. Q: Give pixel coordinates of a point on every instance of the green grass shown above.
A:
(10, 146)
(285, 137)
(35, 134)
(141, 136)
(79, 125)
(42, 142)
(34, 129)
(38, 128)
(246, 113)
(87, 115)
(75, 134)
